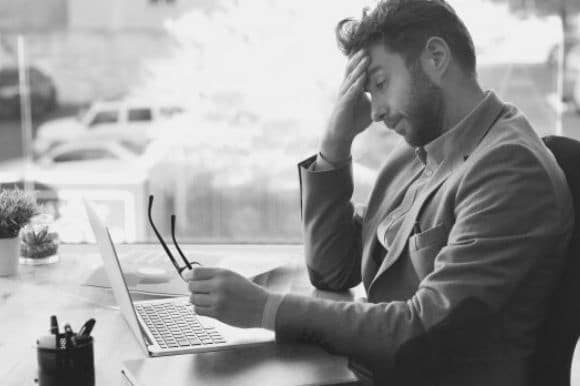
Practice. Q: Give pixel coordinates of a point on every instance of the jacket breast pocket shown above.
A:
(423, 248)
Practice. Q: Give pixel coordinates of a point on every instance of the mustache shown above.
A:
(392, 121)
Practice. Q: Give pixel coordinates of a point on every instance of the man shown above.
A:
(463, 236)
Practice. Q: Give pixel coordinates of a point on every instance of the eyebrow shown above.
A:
(370, 73)
(373, 69)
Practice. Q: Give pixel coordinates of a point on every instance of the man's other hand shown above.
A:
(226, 296)
(352, 111)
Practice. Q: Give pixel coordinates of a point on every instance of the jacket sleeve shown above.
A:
(510, 220)
(332, 230)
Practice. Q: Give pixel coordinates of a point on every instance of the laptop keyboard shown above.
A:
(176, 325)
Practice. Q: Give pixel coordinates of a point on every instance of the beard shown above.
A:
(425, 109)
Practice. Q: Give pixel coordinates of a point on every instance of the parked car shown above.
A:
(133, 122)
(43, 95)
(116, 177)
(75, 161)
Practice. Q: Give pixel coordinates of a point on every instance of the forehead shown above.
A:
(382, 58)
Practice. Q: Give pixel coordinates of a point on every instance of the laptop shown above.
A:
(168, 326)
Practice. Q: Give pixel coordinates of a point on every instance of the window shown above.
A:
(104, 117)
(140, 115)
(84, 155)
(225, 98)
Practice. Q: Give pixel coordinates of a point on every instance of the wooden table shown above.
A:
(28, 299)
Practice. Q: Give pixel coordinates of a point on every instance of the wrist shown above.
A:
(336, 150)
(270, 311)
(261, 303)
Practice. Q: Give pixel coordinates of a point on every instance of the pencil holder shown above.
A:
(64, 365)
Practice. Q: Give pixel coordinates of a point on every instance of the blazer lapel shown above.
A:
(411, 217)
(378, 212)
(369, 267)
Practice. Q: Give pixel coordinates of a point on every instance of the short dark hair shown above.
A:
(404, 26)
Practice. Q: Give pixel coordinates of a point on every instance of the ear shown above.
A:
(435, 58)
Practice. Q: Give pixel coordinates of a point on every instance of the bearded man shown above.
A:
(465, 231)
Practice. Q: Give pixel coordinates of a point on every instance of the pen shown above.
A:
(87, 327)
(54, 328)
(69, 334)
(53, 325)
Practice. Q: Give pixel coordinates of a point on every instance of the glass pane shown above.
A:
(244, 90)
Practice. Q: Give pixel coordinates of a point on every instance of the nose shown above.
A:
(378, 111)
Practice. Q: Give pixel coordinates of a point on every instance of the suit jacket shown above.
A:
(460, 302)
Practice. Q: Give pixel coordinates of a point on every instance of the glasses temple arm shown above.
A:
(163, 244)
(177, 245)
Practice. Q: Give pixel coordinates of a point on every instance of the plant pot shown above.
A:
(9, 252)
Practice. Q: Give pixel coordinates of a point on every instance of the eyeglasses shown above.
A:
(188, 264)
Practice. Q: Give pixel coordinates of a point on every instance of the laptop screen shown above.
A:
(114, 272)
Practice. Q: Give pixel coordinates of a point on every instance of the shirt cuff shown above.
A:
(324, 165)
(270, 311)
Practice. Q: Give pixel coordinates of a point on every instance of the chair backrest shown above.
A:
(558, 335)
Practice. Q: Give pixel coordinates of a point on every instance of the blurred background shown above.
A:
(210, 104)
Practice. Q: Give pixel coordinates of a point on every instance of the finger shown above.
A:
(204, 311)
(203, 273)
(353, 61)
(201, 286)
(360, 69)
(356, 88)
(202, 300)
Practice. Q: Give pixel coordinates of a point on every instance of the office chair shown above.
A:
(560, 331)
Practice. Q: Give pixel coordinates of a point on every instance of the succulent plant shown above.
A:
(38, 242)
(16, 209)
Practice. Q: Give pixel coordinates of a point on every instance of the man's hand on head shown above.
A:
(226, 296)
(352, 111)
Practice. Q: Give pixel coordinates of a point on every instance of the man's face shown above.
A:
(404, 98)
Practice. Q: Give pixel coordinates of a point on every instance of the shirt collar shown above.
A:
(463, 136)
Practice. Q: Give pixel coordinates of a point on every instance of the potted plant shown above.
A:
(39, 241)
(16, 209)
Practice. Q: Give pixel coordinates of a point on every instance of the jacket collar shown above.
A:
(459, 141)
